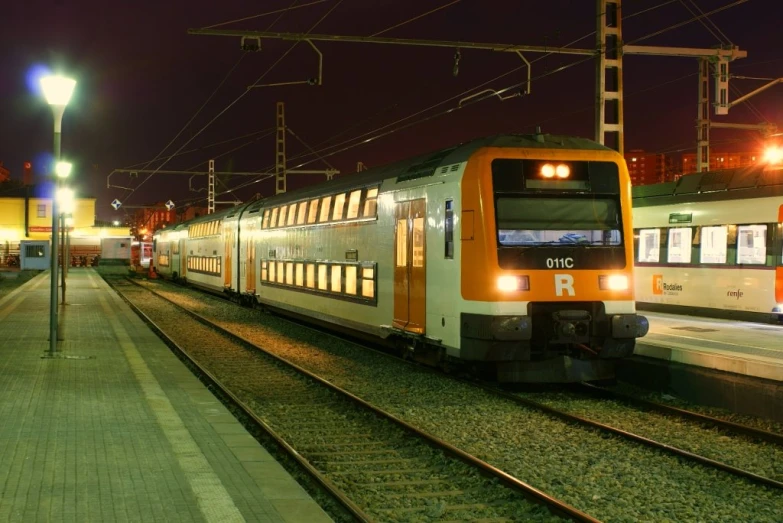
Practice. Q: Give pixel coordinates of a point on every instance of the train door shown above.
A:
(183, 259)
(250, 272)
(229, 244)
(409, 266)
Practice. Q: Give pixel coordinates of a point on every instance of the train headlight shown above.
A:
(614, 282)
(563, 171)
(548, 170)
(513, 283)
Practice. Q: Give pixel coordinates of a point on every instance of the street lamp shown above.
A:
(65, 202)
(57, 91)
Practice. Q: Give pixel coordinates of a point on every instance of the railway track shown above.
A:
(500, 442)
(379, 467)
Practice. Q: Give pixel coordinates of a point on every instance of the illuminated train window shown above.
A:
(359, 204)
(351, 281)
(204, 264)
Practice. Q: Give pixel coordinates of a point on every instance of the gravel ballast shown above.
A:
(602, 475)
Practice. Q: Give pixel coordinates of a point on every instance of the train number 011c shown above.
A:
(559, 263)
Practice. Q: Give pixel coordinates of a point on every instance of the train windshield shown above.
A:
(569, 221)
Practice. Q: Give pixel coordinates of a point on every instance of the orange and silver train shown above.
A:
(512, 254)
(712, 244)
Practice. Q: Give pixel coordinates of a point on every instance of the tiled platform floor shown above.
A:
(125, 432)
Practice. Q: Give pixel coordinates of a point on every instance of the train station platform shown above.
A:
(744, 348)
(116, 428)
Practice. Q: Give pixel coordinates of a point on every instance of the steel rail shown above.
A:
(558, 507)
(581, 420)
(764, 435)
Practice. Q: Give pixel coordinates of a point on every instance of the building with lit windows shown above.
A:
(646, 168)
(720, 160)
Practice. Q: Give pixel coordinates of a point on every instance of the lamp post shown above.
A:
(57, 91)
(65, 201)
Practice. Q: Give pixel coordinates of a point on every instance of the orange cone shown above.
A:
(152, 275)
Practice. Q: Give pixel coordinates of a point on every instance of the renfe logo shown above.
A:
(657, 283)
(661, 287)
(735, 294)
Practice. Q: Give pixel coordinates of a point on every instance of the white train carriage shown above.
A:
(168, 246)
(712, 244)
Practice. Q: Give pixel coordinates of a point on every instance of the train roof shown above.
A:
(756, 181)
(425, 164)
(411, 168)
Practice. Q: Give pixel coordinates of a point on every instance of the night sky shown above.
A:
(141, 78)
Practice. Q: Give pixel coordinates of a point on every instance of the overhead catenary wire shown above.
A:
(366, 138)
(242, 95)
(416, 17)
(268, 13)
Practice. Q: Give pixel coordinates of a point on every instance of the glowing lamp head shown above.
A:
(548, 170)
(63, 169)
(57, 89)
(563, 171)
(773, 155)
(65, 200)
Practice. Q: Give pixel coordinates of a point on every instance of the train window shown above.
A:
(368, 282)
(313, 214)
(402, 242)
(418, 242)
(326, 203)
(323, 280)
(291, 214)
(752, 244)
(371, 203)
(289, 273)
(272, 267)
(714, 244)
(350, 279)
(175, 247)
(339, 205)
(299, 274)
(265, 220)
(280, 272)
(311, 276)
(649, 245)
(353, 204)
(281, 221)
(449, 229)
(264, 270)
(680, 245)
(559, 221)
(274, 218)
(337, 278)
(300, 218)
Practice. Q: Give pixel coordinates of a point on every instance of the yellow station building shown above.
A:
(26, 231)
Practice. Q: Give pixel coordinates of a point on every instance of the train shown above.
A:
(710, 244)
(509, 255)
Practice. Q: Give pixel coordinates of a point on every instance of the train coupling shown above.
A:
(571, 326)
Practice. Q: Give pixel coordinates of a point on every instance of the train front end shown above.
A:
(547, 264)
